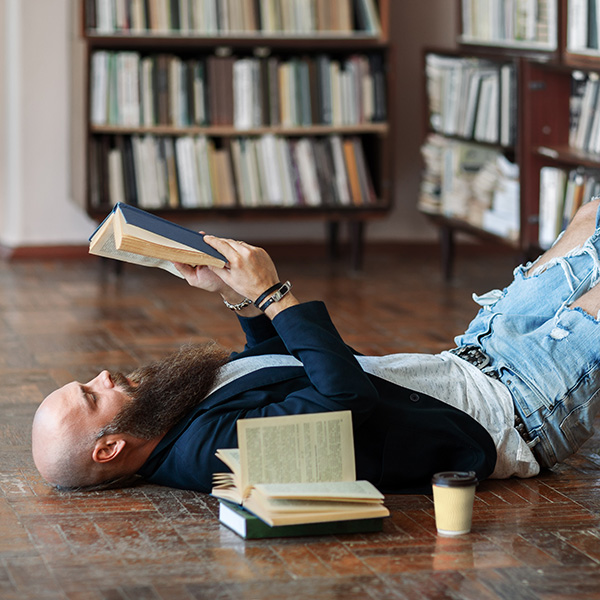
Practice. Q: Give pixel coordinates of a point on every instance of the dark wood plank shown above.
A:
(61, 320)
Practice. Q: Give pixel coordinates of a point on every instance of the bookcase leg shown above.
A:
(114, 267)
(333, 239)
(357, 235)
(448, 249)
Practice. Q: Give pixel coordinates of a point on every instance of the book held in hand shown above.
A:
(297, 469)
(133, 235)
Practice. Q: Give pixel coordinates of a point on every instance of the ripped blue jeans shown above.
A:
(546, 353)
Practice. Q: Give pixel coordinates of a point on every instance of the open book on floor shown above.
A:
(297, 469)
(133, 235)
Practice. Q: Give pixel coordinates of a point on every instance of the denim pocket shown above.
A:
(525, 393)
(578, 425)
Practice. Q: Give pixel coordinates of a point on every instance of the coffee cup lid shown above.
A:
(455, 479)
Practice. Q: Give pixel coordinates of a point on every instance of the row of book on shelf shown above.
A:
(507, 22)
(155, 172)
(481, 187)
(212, 17)
(562, 193)
(472, 183)
(133, 90)
(584, 126)
(583, 25)
(472, 98)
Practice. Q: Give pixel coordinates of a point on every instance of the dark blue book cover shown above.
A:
(167, 229)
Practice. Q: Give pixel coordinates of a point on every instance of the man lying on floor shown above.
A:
(518, 392)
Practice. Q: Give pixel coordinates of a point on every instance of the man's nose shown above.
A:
(103, 379)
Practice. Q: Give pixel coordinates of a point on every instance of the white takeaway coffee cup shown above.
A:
(453, 496)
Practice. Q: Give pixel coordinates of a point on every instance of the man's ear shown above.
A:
(107, 449)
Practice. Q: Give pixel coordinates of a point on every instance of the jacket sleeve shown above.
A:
(256, 329)
(337, 381)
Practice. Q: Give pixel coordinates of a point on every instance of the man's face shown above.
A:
(71, 422)
(75, 411)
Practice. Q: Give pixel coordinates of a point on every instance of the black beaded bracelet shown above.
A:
(266, 293)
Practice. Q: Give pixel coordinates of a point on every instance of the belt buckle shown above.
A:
(475, 355)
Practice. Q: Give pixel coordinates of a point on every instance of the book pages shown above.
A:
(351, 491)
(141, 241)
(124, 230)
(273, 506)
(104, 244)
(297, 448)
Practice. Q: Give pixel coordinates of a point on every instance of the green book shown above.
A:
(250, 527)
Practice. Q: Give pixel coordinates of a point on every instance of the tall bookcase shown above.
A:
(556, 115)
(240, 109)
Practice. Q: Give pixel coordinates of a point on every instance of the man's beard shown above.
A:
(166, 390)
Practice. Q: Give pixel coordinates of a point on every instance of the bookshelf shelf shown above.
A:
(582, 61)
(556, 150)
(464, 226)
(569, 156)
(186, 122)
(215, 131)
(291, 41)
(515, 46)
(261, 212)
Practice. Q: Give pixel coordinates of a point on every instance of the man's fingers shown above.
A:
(238, 254)
(185, 270)
(222, 243)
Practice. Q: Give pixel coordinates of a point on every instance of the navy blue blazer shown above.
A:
(401, 438)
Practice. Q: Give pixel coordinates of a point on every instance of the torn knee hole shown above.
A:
(558, 333)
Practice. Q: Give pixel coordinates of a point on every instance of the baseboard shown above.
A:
(429, 248)
(279, 250)
(283, 250)
(43, 252)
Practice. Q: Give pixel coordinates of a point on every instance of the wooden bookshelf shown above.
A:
(544, 116)
(368, 127)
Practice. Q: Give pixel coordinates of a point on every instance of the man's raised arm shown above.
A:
(248, 281)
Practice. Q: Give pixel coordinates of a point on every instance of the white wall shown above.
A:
(3, 136)
(41, 124)
(36, 204)
(415, 25)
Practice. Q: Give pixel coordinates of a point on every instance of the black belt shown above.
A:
(478, 358)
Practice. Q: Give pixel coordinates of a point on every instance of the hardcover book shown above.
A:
(250, 527)
(133, 235)
(297, 469)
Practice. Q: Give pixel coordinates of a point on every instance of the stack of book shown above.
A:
(206, 17)
(471, 183)
(295, 475)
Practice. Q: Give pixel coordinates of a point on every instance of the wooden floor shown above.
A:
(60, 321)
